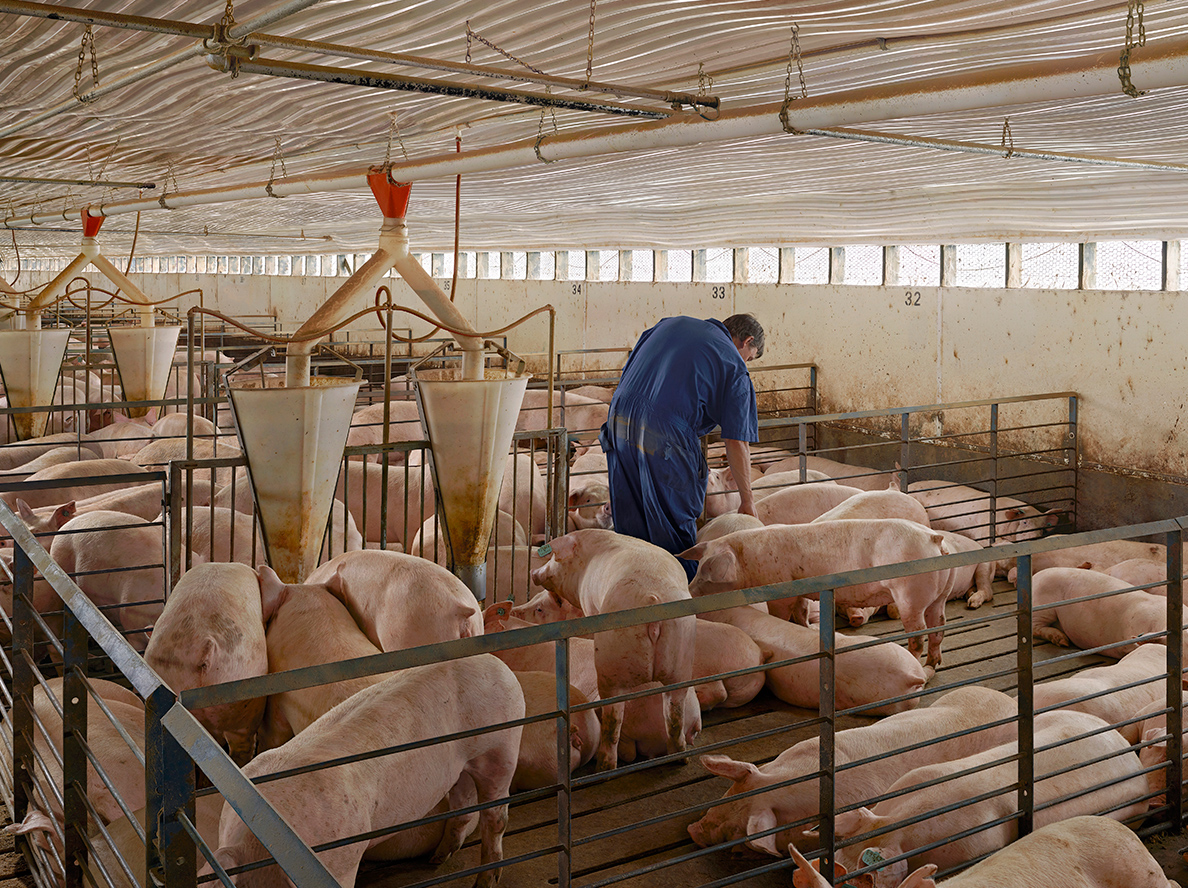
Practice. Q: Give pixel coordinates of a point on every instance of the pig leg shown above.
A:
(607, 756)
(983, 582)
(710, 695)
(934, 617)
(1043, 625)
(492, 773)
(463, 794)
(674, 720)
(241, 745)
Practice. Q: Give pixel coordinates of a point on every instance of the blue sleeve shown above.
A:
(739, 411)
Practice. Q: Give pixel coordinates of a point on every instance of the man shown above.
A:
(683, 377)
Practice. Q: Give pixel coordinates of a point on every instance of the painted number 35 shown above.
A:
(912, 297)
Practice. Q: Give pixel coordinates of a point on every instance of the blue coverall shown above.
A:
(683, 377)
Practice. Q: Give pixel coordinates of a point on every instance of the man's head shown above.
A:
(747, 334)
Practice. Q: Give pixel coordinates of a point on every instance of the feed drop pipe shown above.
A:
(392, 252)
(1158, 65)
(89, 255)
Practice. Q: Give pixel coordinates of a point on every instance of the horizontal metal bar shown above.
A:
(378, 80)
(107, 19)
(899, 411)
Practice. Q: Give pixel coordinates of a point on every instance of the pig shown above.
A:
(13, 456)
(801, 504)
(1139, 572)
(889, 503)
(721, 648)
(1152, 730)
(545, 607)
(644, 734)
(120, 439)
(430, 542)
(97, 549)
(401, 601)
(42, 522)
(55, 496)
(966, 510)
(542, 657)
(176, 425)
(361, 487)
(863, 677)
(436, 700)
(55, 457)
(224, 535)
(862, 477)
(509, 572)
(537, 766)
(1113, 620)
(974, 582)
(309, 626)
(523, 495)
(721, 493)
(780, 553)
(589, 506)
(1086, 852)
(1061, 747)
(159, 453)
(597, 392)
(45, 601)
(583, 417)
(404, 424)
(960, 717)
(766, 485)
(1100, 555)
(212, 631)
(1110, 699)
(600, 571)
(725, 524)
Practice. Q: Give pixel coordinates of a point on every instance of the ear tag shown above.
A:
(871, 857)
(544, 550)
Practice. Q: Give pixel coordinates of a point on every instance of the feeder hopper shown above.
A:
(143, 358)
(30, 361)
(293, 439)
(469, 424)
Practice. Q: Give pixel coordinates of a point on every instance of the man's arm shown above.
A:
(738, 457)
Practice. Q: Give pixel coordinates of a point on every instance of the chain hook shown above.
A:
(88, 42)
(276, 155)
(793, 57)
(1134, 16)
(1008, 138)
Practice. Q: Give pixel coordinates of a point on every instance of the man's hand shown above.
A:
(738, 457)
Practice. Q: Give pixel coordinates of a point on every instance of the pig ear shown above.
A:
(921, 878)
(62, 514)
(33, 822)
(207, 657)
(497, 611)
(272, 591)
(563, 547)
(851, 823)
(720, 567)
(1012, 514)
(226, 858)
(1153, 734)
(725, 766)
(807, 874)
(695, 553)
(24, 511)
(761, 821)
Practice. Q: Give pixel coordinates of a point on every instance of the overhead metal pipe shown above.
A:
(26, 180)
(854, 135)
(413, 61)
(376, 80)
(106, 19)
(1162, 64)
(263, 20)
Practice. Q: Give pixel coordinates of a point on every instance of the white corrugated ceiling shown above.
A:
(189, 127)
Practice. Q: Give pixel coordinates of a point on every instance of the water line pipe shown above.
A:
(1162, 64)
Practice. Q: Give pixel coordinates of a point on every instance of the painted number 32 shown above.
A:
(912, 297)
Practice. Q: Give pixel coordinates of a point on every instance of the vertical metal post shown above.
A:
(74, 735)
(825, 744)
(1175, 675)
(565, 791)
(813, 402)
(1026, 696)
(1072, 454)
(22, 679)
(802, 449)
(170, 856)
(175, 517)
(904, 439)
(994, 479)
(560, 480)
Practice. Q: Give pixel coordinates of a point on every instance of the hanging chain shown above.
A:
(228, 19)
(88, 42)
(793, 58)
(1134, 15)
(503, 52)
(393, 129)
(276, 155)
(169, 174)
(590, 45)
(1008, 138)
(540, 129)
(705, 82)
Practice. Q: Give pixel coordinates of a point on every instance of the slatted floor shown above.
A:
(973, 649)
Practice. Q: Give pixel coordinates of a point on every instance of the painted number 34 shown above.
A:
(912, 297)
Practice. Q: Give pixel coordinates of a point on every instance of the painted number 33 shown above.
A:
(912, 297)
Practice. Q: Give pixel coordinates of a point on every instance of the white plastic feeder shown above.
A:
(293, 439)
(469, 424)
(30, 361)
(144, 356)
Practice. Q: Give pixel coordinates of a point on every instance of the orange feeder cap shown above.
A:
(392, 197)
(91, 224)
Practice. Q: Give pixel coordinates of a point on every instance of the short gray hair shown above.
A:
(744, 326)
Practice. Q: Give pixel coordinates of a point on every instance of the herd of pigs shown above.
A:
(224, 621)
